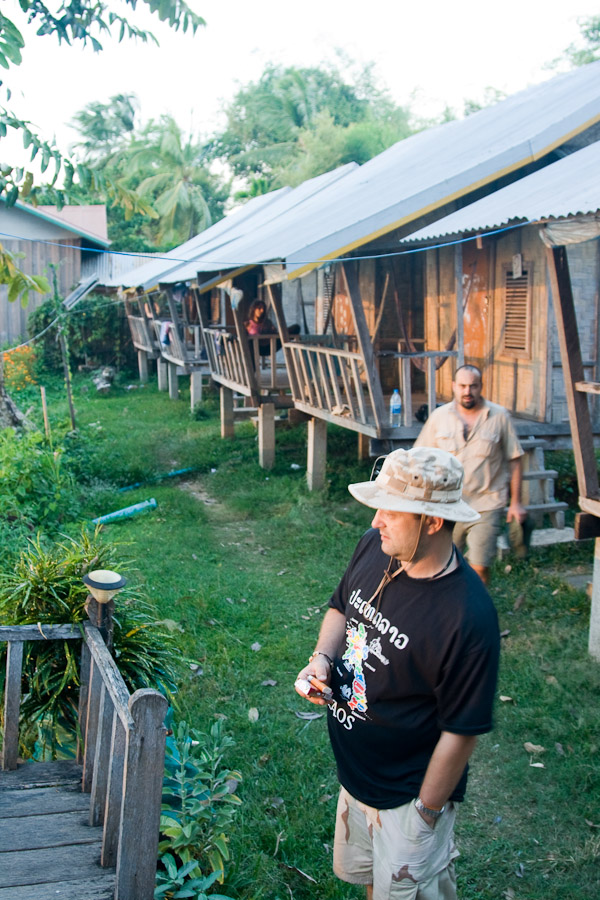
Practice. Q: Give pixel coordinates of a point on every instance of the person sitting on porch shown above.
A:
(258, 323)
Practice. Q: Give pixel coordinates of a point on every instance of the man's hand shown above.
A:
(516, 511)
(320, 670)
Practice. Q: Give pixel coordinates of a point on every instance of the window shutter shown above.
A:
(517, 313)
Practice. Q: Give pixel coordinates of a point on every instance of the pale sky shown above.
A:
(436, 52)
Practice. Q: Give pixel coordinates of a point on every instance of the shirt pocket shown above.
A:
(486, 443)
(447, 440)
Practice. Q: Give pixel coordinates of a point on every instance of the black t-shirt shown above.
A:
(425, 662)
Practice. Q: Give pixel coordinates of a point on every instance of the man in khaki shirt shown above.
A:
(481, 435)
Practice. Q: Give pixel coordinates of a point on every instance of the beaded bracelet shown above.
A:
(320, 653)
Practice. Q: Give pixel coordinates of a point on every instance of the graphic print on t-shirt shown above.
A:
(356, 653)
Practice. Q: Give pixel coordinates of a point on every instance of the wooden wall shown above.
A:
(36, 260)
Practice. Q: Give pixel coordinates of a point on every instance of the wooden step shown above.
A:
(538, 474)
(541, 537)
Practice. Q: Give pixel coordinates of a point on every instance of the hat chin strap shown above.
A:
(417, 542)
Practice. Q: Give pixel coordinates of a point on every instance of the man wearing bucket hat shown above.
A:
(406, 661)
(481, 435)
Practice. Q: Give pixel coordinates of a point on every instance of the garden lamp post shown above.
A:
(103, 584)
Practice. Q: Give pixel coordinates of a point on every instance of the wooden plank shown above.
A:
(277, 307)
(111, 676)
(25, 867)
(365, 345)
(40, 632)
(91, 726)
(431, 391)
(587, 387)
(84, 687)
(460, 322)
(18, 804)
(333, 380)
(358, 392)
(12, 705)
(54, 830)
(173, 382)
(36, 775)
(101, 759)
(407, 415)
(114, 794)
(589, 505)
(142, 796)
(570, 354)
(321, 360)
(99, 887)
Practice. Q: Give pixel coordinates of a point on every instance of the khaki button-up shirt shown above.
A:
(485, 452)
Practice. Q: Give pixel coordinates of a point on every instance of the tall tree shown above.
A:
(270, 122)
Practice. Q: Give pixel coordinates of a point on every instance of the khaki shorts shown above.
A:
(395, 850)
(480, 538)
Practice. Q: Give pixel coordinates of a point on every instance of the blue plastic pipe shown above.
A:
(126, 512)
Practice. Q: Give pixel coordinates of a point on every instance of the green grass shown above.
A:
(257, 565)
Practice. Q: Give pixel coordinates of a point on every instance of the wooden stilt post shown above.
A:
(316, 454)
(227, 429)
(460, 322)
(173, 382)
(162, 373)
(594, 635)
(363, 446)
(266, 435)
(195, 388)
(143, 366)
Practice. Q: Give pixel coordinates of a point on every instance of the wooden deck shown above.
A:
(47, 848)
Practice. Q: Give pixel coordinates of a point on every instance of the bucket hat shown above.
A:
(421, 480)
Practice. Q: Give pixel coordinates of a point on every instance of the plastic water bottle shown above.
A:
(395, 409)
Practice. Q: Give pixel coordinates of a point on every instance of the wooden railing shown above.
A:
(432, 360)
(330, 379)
(141, 335)
(122, 750)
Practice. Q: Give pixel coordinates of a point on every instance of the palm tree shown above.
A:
(174, 179)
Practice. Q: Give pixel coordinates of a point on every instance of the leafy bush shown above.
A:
(46, 586)
(199, 804)
(96, 330)
(35, 488)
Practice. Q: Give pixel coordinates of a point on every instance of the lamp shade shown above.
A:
(104, 584)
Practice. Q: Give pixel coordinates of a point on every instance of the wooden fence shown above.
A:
(122, 750)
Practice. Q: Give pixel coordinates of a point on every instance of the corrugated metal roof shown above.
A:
(429, 169)
(337, 212)
(266, 237)
(150, 274)
(275, 233)
(568, 187)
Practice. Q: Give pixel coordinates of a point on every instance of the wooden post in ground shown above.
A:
(142, 797)
(173, 382)
(12, 703)
(266, 435)
(227, 429)
(195, 388)
(363, 446)
(142, 366)
(316, 454)
(162, 373)
(594, 635)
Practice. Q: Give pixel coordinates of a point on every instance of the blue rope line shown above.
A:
(228, 264)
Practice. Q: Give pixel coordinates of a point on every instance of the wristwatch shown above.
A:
(432, 813)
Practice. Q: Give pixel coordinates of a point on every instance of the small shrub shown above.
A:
(46, 587)
(199, 804)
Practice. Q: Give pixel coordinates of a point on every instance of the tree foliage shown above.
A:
(274, 123)
(86, 22)
(587, 49)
